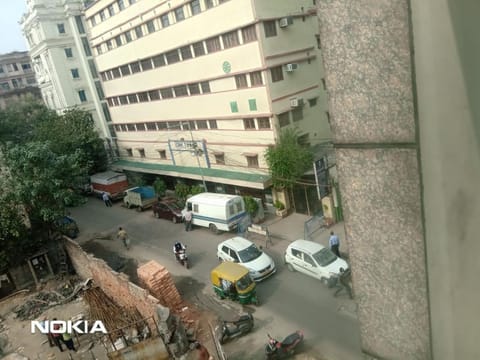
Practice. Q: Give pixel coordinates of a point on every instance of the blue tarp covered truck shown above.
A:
(141, 197)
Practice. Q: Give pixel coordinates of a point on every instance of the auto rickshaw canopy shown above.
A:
(229, 271)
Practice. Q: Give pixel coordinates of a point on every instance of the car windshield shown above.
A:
(175, 206)
(324, 257)
(244, 282)
(249, 254)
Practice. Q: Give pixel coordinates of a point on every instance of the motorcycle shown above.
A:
(182, 257)
(280, 350)
(231, 329)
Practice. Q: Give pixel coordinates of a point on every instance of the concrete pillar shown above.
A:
(367, 55)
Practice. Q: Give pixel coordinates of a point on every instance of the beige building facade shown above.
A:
(201, 88)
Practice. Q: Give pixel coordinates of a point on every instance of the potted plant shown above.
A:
(281, 211)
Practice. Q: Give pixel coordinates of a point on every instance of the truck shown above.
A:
(216, 211)
(110, 182)
(141, 197)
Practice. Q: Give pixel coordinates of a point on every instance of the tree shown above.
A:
(160, 186)
(288, 160)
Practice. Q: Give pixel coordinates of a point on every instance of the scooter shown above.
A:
(182, 258)
(280, 350)
(231, 329)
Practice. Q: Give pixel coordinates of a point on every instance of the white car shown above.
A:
(314, 259)
(246, 253)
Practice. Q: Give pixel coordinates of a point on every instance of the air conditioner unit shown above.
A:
(291, 67)
(284, 22)
(296, 102)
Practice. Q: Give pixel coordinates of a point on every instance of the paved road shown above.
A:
(289, 301)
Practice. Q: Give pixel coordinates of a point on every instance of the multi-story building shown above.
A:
(17, 79)
(62, 59)
(200, 89)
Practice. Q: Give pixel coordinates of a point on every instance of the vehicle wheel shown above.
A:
(174, 219)
(213, 228)
(157, 215)
(324, 281)
(290, 267)
(140, 209)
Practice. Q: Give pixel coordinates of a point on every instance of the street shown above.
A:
(288, 301)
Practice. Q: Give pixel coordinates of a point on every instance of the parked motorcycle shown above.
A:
(182, 258)
(239, 327)
(281, 350)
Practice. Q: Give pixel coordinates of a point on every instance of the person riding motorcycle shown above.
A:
(177, 248)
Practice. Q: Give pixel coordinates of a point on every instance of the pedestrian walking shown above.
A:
(67, 339)
(202, 352)
(122, 235)
(344, 283)
(57, 338)
(50, 338)
(188, 220)
(106, 199)
(334, 243)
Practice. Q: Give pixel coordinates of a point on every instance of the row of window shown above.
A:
(248, 124)
(251, 160)
(112, 9)
(17, 83)
(211, 45)
(14, 67)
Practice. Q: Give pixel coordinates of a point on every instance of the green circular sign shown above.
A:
(227, 67)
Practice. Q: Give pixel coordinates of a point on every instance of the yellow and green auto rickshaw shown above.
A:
(232, 281)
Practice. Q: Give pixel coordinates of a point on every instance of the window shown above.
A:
(99, 49)
(179, 15)
(128, 37)
(252, 104)
(98, 87)
(270, 28)
(68, 52)
(131, 2)
(205, 87)
(80, 27)
(297, 114)
(132, 98)
(146, 64)
(312, 102)
(135, 67)
(150, 26)
(15, 83)
(108, 75)
(102, 15)
(252, 161)
(14, 67)
(202, 124)
(118, 40)
(309, 260)
(162, 154)
(121, 5)
(220, 159)
(249, 124)
(118, 128)
(75, 73)
(256, 78)
(109, 44)
(61, 28)
(111, 11)
(1, 69)
(143, 97)
(129, 152)
(165, 21)
(277, 73)
(123, 100)
(26, 66)
(233, 106)
(180, 90)
(131, 127)
(212, 124)
(194, 89)
(195, 7)
(86, 46)
(208, 4)
(93, 21)
(198, 49)
(303, 140)
(93, 68)
(162, 125)
(139, 31)
(116, 73)
(213, 44)
(167, 93)
(154, 95)
(186, 52)
(141, 127)
(172, 56)
(158, 60)
(31, 81)
(241, 81)
(230, 39)
(141, 152)
(249, 34)
(151, 126)
(82, 95)
(115, 101)
(191, 126)
(263, 123)
(5, 86)
(175, 125)
(124, 127)
(284, 119)
(125, 70)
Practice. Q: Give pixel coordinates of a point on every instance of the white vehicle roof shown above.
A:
(237, 243)
(107, 176)
(211, 198)
(306, 246)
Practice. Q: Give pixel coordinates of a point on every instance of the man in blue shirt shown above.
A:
(334, 243)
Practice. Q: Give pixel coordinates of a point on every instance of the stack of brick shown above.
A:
(159, 282)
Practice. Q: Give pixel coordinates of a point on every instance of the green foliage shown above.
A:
(136, 178)
(279, 205)
(182, 191)
(288, 160)
(251, 206)
(196, 189)
(160, 187)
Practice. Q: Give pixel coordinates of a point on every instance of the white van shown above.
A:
(216, 211)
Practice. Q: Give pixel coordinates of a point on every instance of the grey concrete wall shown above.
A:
(368, 63)
(447, 60)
